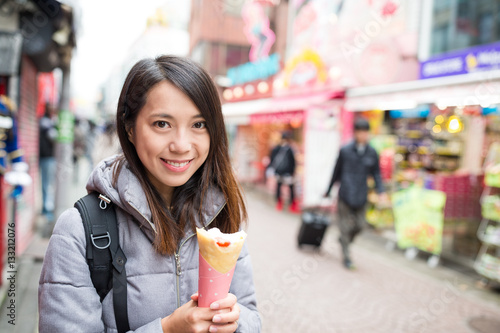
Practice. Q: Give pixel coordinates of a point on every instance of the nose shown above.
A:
(181, 142)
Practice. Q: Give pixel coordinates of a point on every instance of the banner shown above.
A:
(419, 218)
(478, 58)
(66, 126)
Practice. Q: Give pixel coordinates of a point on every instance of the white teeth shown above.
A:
(177, 165)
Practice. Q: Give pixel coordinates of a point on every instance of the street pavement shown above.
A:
(303, 290)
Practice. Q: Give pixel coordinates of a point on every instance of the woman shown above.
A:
(174, 175)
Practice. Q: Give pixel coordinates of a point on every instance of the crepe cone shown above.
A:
(217, 261)
(212, 285)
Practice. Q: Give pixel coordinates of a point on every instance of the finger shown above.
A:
(229, 317)
(222, 311)
(226, 328)
(194, 297)
(227, 302)
(203, 314)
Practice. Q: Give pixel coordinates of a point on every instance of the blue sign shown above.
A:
(419, 112)
(490, 110)
(479, 58)
(252, 71)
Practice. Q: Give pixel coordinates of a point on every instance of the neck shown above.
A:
(164, 190)
(166, 194)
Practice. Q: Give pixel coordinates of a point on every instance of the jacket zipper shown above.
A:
(151, 223)
(178, 260)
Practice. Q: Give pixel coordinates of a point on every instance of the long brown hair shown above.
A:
(187, 200)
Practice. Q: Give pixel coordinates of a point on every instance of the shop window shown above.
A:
(486, 28)
(236, 55)
(198, 52)
(442, 5)
(440, 40)
(233, 7)
(460, 24)
(215, 51)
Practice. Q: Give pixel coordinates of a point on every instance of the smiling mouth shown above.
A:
(176, 164)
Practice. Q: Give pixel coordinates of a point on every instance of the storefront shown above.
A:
(256, 126)
(443, 128)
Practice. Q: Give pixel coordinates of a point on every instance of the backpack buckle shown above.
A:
(93, 238)
(103, 204)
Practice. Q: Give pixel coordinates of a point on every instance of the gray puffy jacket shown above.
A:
(67, 299)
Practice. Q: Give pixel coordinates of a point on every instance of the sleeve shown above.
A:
(336, 172)
(379, 185)
(292, 160)
(272, 156)
(67, 299)
(243, 287)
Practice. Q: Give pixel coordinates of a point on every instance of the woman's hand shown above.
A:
(221, 317)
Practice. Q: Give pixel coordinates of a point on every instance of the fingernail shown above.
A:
(214, 306)
(216, 319)
(212, 329)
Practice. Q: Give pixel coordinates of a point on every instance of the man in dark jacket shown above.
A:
(357, 160)
(282, 165)
(48, 135)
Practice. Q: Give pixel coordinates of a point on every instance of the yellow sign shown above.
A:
(307, 68)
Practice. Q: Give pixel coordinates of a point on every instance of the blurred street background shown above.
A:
(425, 74)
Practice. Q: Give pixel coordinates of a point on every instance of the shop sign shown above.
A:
(479, 58)
(306, 16)
(491, 110)
(252, 71)
(10, 52)
(306, 69)
(419, 218)
(66, 126)
(420, 112)
(47, 92)
(294, 118)
(257, 30)
(268, 2)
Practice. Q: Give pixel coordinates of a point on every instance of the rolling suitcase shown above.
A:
(313, 227)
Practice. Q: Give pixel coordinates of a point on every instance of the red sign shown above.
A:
(47, 92)
(292, 117)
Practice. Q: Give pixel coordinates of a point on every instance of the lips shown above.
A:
(176, 165)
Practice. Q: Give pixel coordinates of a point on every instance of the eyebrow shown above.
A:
(168, 116)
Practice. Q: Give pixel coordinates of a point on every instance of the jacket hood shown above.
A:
(129, 195)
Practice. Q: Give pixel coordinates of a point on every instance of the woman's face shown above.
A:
(170, 137)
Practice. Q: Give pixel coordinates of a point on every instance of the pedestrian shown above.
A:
(174, 175)
(107, 143)
(80, 131)
(90, 139)
(356, 162)
(282, 167)
(47, 160)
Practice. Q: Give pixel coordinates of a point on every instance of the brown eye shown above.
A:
(200, 125)
(161, 124)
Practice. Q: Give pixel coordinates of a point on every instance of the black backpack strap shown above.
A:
(119, 281)
(103, 252)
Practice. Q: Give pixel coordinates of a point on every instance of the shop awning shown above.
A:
(245, 108)
(480, 88)
(277, 104)
(298, 103)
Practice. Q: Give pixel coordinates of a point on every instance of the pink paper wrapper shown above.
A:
(212, 285)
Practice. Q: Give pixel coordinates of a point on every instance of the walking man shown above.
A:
(357, 160)
(282, 166)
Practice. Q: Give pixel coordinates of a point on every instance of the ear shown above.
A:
(130, 134)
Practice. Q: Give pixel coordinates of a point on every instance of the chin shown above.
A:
(176, 182)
